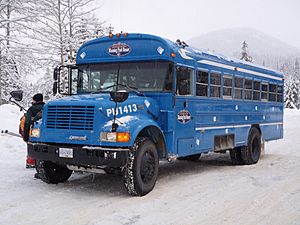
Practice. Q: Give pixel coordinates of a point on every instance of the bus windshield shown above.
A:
(153, 76)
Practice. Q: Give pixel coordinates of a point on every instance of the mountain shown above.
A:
(263, 48)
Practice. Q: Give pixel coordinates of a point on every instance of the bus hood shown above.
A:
(80, 119)
(135, 104)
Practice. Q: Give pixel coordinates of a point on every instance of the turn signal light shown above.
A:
(110, 35)
(118, 35)
(115, 136)
(173, 54)
(123, 137)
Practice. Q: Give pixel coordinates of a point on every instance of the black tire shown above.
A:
(140, 173)
(52, 173)
(251, 152)
(190, 157)
(236, 156)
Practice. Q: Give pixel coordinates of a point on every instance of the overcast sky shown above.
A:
(186, 19)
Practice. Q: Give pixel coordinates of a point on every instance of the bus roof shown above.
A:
(137, 47)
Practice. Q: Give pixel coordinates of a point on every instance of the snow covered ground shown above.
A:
(210, 191)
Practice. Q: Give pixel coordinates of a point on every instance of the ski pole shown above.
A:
(10, 133)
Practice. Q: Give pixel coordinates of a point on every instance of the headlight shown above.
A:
(108, 136)
(35, 133)
(115, 136)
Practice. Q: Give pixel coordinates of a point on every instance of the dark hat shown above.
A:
(38, 97)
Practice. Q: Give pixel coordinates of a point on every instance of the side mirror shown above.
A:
(119, 96)
(55, 73)
(55, 86)
(17, 95)
(64, 83)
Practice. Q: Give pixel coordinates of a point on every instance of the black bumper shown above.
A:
(81, 156)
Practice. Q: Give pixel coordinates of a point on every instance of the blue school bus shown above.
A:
(136, 99)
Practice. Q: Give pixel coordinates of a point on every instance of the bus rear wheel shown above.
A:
(251, 153)
(140, 173)
(236, 156)
(52, 173)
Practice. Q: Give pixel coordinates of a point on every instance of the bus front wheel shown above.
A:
(251, 153)
(52, 173)
(141, 171)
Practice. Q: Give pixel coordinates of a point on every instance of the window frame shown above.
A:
(227, 76)
(215, 85)
(256, 90)
(247, 89)
(281, 93)
(272, 93)
(207, 85)
(239, 88)
(191, 80)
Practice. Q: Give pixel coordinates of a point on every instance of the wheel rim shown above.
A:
(255, 148)
(147, 169)
(52, 169)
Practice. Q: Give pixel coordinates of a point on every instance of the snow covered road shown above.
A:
(210, 191)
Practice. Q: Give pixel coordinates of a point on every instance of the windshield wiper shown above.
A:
(134, 89)
(104, 88)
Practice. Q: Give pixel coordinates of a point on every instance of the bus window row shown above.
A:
(217, 85)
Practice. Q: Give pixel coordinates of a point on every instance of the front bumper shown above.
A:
(82, 156)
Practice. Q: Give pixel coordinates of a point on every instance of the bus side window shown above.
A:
(256, 90)
(184, 84)
(215, 85)
(279, 93)
(227, 86)
(238, 88)
(264, 92)
(272, 92)
(202, 83)
(248, 89)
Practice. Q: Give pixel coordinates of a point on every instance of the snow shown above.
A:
(210, 191)
(122, 121)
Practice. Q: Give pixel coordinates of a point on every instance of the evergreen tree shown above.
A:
(245, 55)
(292, 87)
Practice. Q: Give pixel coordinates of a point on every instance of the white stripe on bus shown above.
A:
(211, 63)
(236, 126)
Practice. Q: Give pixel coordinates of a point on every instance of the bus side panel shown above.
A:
(204, 141)
(241, 136)
(217, 117)
(272, 132)
(185, 146)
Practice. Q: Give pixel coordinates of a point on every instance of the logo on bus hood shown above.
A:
(119, 49)
(184, 116)
(78, 138)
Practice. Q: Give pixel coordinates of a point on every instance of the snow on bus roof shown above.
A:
(231, 60)
(213, 55)
(219, 56)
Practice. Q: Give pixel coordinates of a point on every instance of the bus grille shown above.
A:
(70, 117)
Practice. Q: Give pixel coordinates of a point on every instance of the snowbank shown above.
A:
(10, 117)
